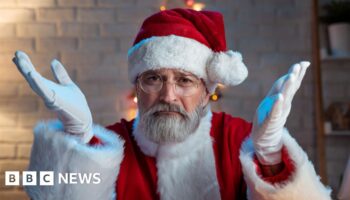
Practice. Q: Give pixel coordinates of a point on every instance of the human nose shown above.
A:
(168, 93)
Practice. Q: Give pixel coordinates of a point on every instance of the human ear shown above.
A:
(206, 99)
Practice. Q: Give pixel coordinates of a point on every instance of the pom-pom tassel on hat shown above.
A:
(227, 68)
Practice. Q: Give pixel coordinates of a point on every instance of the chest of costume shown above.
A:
(208, 169)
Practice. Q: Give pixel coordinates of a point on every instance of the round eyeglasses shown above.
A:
(184, 85)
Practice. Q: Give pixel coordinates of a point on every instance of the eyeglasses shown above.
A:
(152, 82)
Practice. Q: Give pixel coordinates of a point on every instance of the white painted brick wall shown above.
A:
(74, 29)
(36, 3)
(97, 15)
(55, 14)
(7, 30)
(76, 3)
(119, 30)
(56, 44)
(119, 3)
(12, 44)
(16, 15)
(30, 30)
(7, 151)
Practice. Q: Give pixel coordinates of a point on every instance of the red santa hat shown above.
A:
(189, 40)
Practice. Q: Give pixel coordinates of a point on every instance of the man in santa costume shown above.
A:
(176, 148)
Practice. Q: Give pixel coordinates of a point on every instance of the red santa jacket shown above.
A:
(137, 177)
(128, 170)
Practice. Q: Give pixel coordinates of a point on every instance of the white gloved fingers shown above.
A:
(280, 84)
(277, 86)
(41, 88)
(267, 135)
(65, 98)
(288, 89)
(297, 70)
(304, 66)
(60, 73)
(268, 107)
(15, 60)
(25, 66)
(272, 114)
(277, 108)
(263, 110)
(294, 69)
(20, 69)
(272, 121)
(22, 66)
(24, 63)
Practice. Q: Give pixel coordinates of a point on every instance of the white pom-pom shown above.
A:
(227, 68)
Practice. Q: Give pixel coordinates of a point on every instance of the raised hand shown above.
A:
(63, 97)
(272, 113)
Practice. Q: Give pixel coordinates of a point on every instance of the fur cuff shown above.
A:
(303, 183)
(54, 150)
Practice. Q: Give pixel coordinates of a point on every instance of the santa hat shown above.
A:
(189, 40)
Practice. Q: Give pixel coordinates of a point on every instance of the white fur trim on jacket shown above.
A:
(54, 150)
(186, 170)
(189, 55)
(304, 184)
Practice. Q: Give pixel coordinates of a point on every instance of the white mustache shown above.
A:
(165, 107)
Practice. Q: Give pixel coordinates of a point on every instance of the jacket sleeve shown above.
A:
(303, 183)
(54, 150)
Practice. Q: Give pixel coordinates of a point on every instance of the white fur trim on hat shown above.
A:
(189, 55)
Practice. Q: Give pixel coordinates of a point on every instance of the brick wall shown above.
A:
(91, 38)
(271, 35)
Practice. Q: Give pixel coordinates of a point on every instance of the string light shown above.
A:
(192, 4)
(189, 3)
(198, 6)
(131, 113)
(214, 97)
(132, 96)
(132, 105)
(217, 94)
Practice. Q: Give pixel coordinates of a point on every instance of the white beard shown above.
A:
(164, 128)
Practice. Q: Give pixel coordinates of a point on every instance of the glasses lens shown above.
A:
(186, 85)
(151, 82)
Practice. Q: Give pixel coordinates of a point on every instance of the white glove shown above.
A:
(64, 97)
(272, 113)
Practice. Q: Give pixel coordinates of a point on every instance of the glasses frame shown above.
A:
(139, 83)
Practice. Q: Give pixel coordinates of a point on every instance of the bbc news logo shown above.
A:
(47, 178)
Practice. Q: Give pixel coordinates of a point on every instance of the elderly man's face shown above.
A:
(171, 103)
(171, 92)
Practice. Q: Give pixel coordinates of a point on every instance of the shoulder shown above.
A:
(230, 128)
(122, 128)
(228, 121)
